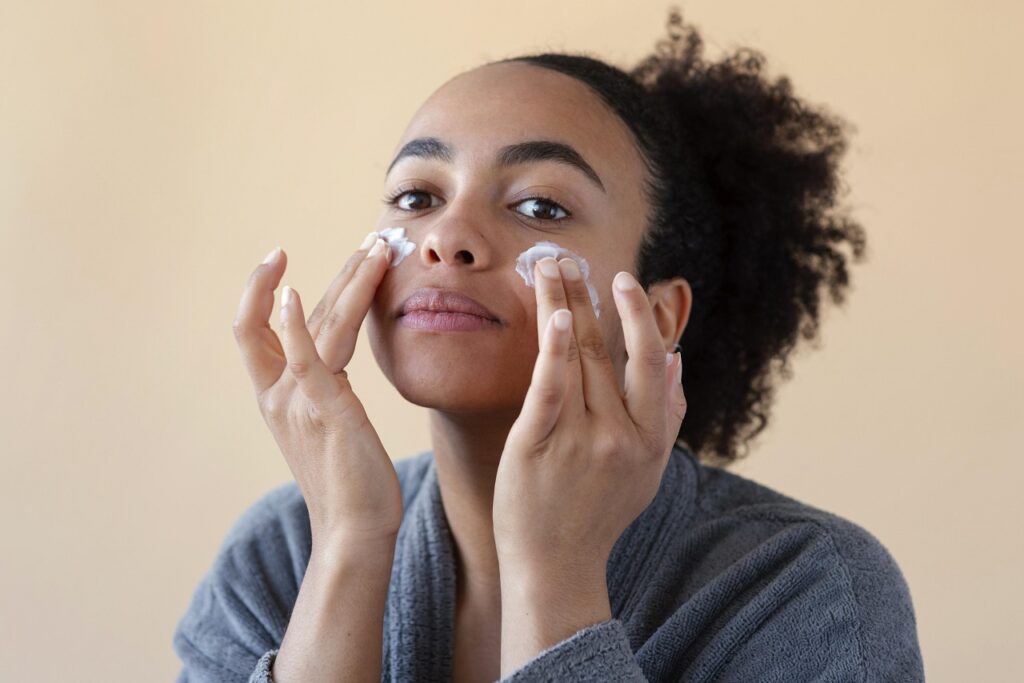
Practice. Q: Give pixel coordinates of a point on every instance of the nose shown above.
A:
(455, 239)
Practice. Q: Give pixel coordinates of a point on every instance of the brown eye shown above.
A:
(543, 209)
(414, 205)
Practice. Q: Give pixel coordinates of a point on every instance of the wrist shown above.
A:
(342, 551)
(542, 607)
(537, 583)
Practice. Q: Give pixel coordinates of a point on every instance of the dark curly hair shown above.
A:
(742, 181)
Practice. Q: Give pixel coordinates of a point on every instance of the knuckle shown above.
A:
(681, 407)
(353, 262)
(272, 406)
(335, 326)
(556, 301)
(549, 395)
(338, 415)
(555, 296)
(317, 313)
(573, 352)
(608, 445)
(578, 294)
(300, 367)
(319, 420)
(332, 321)
(240, 329)
(592, 346)
(653, 358)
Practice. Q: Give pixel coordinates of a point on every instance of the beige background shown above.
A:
(152, 153)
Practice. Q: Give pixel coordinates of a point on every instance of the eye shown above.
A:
(545, 206)
(397, 197)
(543, 209)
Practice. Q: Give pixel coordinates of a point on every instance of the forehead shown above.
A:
(481, 110)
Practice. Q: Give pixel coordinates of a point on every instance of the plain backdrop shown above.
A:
(152, 153)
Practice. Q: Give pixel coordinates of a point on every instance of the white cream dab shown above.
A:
(528, 259)
(400, 245)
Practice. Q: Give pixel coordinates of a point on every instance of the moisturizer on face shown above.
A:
(400, 245)
(528, 259)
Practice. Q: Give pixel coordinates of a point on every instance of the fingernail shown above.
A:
(286, 296)
(272, 255)
(668, 358)
(368, 240)
(548, 267)
(624, 281)
(562, 318)
(570, 269)
(378, 247)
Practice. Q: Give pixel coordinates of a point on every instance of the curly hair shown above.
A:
(742, 183)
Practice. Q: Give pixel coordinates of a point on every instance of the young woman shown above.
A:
(568, 523)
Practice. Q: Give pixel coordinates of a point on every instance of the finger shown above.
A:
(314, 379)
(340, 327)
(600, 383)
(676, 405)
(338, 284)
(262, 352)
(645, 369)
(545, 398)
(550, 298)
(550, 293)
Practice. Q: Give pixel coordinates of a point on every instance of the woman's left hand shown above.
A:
(582, 461)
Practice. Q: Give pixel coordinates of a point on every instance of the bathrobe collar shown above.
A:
(420, 609)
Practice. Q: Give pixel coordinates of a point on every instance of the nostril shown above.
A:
(466, 256)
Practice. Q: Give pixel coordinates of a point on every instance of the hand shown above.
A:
(582, 461)
(345, 475)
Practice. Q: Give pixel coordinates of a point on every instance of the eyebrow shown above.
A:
(510, 155)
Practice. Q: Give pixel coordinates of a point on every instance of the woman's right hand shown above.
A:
(345, 475)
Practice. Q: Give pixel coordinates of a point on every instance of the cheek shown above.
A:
(526, 262)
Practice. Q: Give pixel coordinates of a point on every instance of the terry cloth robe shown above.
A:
(718, 579)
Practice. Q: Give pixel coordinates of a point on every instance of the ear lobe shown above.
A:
(671, 301)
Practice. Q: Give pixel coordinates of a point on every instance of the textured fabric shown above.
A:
(719, 579)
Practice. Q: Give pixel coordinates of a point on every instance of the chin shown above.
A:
(458, 372)
(468, 387)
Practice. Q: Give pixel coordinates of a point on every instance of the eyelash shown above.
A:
(392, 200)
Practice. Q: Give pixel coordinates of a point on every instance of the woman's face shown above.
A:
(471, 216)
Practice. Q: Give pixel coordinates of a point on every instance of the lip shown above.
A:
(453, 309)
(446, 321)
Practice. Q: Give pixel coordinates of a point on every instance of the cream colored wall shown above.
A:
(152, 153)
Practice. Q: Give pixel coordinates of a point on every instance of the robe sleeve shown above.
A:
(600, 652)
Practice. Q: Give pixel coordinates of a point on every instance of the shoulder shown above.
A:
(819, 572)
(738, 503)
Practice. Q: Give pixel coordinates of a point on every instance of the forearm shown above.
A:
(336, 626)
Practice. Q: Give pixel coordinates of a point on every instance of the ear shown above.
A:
(671, 301)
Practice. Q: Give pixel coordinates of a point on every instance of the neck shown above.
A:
(467, 449)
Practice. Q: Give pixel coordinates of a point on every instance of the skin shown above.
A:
(474, 404)
(520, 413)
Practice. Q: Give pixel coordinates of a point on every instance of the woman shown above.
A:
(562, 526)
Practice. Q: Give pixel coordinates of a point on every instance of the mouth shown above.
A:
(445, 309)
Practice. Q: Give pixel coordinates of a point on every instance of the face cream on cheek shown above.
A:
(528, 259)
(400, 245)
